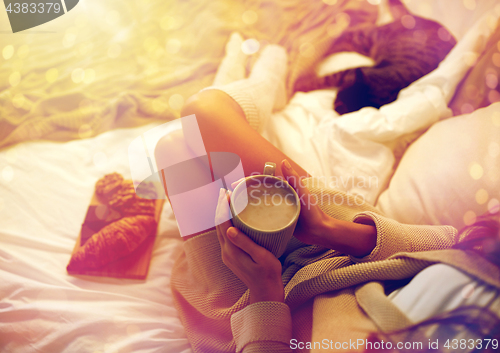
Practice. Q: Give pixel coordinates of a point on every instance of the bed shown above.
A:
(46, 186)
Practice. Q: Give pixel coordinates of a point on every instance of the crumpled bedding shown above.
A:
(358, 152)
(112, 64)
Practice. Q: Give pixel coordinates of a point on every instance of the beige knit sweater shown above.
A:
(328, 295)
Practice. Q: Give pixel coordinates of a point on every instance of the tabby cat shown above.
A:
(403, 51)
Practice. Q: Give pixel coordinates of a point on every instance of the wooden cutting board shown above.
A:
(133, 266)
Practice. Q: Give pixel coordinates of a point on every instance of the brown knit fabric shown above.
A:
(320, 284)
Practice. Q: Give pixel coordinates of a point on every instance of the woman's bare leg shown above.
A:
(224, 129)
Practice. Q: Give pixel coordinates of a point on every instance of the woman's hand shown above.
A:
(316, 227)
(254, 265)
(312, 222)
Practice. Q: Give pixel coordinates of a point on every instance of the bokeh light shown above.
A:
(8, 52)
(466, 108)
(491, 80)
(70, 37)
(88, 76)
(470, 4)
(408, 21)
(150, 43)
(492, 21)
(176, 101)
(77, 75)
(249, 17)
(18, 100)
(8, 173)
(476, 171)
(342, 21)
(51, 75)
(469, 218)
(173, 46)
(470, 58)
(250, 46)
(444, 35)
(85, 131)
(481, 196)
(493, 206)
(15, 78)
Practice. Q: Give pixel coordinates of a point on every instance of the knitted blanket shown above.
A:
(321, 285)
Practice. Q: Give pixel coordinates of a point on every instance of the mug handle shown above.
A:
(269, 168)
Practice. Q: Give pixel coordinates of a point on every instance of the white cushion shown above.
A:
(456, 16)
(451, 174)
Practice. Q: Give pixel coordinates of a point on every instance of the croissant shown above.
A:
(112, 242)
(107, 185)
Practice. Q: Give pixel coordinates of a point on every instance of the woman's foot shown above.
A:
(257, 95)
(232, 67)
(272, 65)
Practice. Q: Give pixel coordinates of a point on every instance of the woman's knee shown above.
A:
(200, 103)
(211, 104)
(171, 149)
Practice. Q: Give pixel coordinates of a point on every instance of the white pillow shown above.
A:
(451, 174)
(456, 15)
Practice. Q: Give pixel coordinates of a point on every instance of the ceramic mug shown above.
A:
(266, 208)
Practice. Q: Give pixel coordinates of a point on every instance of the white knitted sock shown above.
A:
(257, 94)
(272, 65)
(232, 67)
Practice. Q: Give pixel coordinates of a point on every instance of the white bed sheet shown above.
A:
(45, 189)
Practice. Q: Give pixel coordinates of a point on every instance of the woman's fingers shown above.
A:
(235, 258)
(233, 185)
(222, 212)
(222, 216)
(293, 178)
(235, 245)
(239, 239)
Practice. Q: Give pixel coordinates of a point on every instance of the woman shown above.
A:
(325, 292)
